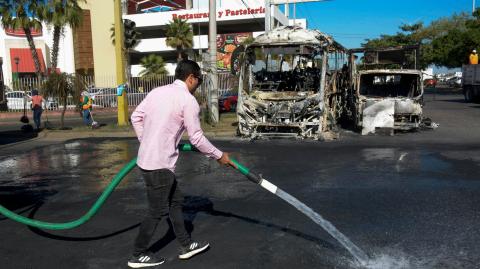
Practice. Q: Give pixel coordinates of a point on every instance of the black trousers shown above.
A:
(164, 200)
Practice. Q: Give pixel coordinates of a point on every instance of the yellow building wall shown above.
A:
(102, 18)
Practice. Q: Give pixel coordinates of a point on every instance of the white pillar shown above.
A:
(268, 16)
(212, 40)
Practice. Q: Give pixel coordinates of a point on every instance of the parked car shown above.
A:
(430, 83)
(18, 100)
(50, 103)
(15, 100)
(228, 102)
(106, 97)
(455, 82)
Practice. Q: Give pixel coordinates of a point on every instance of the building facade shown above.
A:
(14, 45)
(236, 21)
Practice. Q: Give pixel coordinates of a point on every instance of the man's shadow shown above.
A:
(22, 199)
(15, 136)
(192, 206)
(196, 204)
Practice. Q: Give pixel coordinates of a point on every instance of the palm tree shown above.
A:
(62, 86)
(179, 36)
(60, 13)
(153, 65)
(25, 15)
(134, 37)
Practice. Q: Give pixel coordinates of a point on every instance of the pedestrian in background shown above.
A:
(37, 108)
(86, 106)
(474, 57)
(159, 123)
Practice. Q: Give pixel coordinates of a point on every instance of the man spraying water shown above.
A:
(159, 123)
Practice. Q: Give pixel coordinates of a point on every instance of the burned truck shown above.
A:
(387, 90)
(291, 84)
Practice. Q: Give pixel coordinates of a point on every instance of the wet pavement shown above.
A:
(409, 201)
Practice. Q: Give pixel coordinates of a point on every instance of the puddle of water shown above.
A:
(94, 162)
(385, 261)
(431, 163)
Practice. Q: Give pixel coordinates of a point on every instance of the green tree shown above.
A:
(153, 66)
(453, 48)
(60, 13)
(25, 15)
(179, 36)
(62, 86)
(407, 37)
(445, 42)
(249, 40)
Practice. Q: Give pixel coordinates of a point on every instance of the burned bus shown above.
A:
(292, 83)
(387, 90)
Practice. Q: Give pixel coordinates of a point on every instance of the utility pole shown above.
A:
(473, 7)
(212, 46)
(122, 101)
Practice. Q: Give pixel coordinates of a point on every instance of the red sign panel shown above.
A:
(21, 33)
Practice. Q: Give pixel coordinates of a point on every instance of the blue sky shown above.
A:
(352, 21)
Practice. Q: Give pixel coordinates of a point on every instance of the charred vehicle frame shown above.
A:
(292, 83)
(387, 90)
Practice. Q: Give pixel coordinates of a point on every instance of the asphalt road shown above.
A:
(409, 200)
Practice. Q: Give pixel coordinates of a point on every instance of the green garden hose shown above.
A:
(93, 210)
(101, 200)
(354, 250)
(72, 224)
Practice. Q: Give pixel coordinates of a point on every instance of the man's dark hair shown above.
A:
(186, 68)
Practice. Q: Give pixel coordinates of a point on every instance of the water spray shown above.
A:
(359, 255)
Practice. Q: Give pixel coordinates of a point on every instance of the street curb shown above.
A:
(69, 135)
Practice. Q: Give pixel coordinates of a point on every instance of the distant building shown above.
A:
(13, 44)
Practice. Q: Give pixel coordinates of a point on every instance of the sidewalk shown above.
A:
(226, 128)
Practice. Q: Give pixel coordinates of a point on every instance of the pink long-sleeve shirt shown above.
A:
(160, 121)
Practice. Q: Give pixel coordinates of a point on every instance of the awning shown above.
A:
(26, 64)
(137, 5)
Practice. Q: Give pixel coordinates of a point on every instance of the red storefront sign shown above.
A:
(221, 13)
